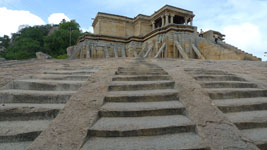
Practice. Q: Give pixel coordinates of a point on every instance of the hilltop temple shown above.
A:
(167, 33)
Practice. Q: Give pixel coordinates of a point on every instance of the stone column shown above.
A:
(115, 51)
(153, 25)
(162, 21)
(191, 21)
(172, 16)
(167, 19)
(88, 51)
(186, 20)
(106, 52)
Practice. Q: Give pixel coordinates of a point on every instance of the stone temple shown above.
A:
(167, 33)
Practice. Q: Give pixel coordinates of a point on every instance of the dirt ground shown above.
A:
(69, 129)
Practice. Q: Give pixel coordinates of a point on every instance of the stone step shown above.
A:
(207, 72)
(163, 142)
(121, 69)
(140, 85)
(142, 96)
(141, 126)
(30, 96)
(241, 104)
(141, 77)
(15, 145)
(79, 72)
(227, 93)
(140, 73)
(47, 85)
(13, 112)
(249, 119)
(13, 131)
(227, 84)
(218, 78)
(142, 109)
(60, 77)
(72, 68)
(258, 136)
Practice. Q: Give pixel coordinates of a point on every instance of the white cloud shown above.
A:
(12, 19)
(90, 29)
(56, 18)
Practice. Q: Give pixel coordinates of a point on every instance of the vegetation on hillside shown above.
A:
(50, 39)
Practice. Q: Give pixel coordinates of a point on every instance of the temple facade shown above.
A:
(167, 33)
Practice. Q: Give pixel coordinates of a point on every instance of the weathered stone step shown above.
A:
(12, 131)
(142, 109)
(258, 136)
(141, 77)
(87, 72)
(30, 96)
(163, 142)
(60, 77)
(140, 73)
(141, 126)
(140, 69)
(72, 68)
(12, 112)
(15, 145)
(142, 96)
(241, 104)
(226, 93)
(218, 78)
(227, 84)
(47, 85)
(207, 72)
(249, 119)
(140, 85)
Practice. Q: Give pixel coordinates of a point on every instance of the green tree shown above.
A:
(4, 41)
(27, 42)
(67, 35)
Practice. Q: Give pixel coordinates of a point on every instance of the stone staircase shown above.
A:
(142, 111)
(243, 102)
(28, 105)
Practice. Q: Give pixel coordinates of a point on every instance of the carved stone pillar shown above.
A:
(191, 21)
(186, 20)
(172, 16)
(167, 19)
(162, 21)
(153, 25)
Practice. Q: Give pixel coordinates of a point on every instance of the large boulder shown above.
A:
(41, 55)
(2, 59)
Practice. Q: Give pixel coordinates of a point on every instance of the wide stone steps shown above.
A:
(141, 109)
(218, 78)
(47, 85)
(13, 131)
(57, 77)
(32, 96)
(175, 141)
(249, 119)
(141, 126)
(140, 85)
(141, 96)
(206, 72)
(28, 105)
(227, 93)
(227, 84)
(13, 112)
(141, 78)
(241, 104)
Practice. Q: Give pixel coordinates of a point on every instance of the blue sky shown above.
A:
(242, 21)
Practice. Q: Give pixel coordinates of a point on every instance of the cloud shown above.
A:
(90, 29)
(12, 19)
(56, 18)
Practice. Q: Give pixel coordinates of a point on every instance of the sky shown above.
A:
(244, 22)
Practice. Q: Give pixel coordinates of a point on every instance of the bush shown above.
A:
(64, 56)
